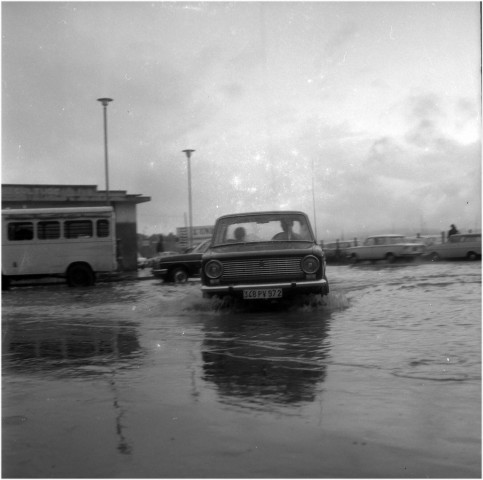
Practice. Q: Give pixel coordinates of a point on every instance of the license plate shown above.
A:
(262, 293)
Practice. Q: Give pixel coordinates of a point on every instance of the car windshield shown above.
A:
(201, 248)
(262, 228)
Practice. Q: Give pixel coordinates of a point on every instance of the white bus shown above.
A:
(73, 243)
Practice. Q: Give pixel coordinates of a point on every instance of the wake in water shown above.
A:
(300, 303)
(186, 299)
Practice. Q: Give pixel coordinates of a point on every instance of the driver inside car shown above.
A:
(287, 233)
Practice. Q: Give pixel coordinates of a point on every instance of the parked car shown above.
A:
(179, 267)
(154, 260)
(427, 240)
(462, 245)
(385, 247)
(336, 251)
(263, 256)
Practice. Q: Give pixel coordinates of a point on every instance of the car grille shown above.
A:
(262, 269)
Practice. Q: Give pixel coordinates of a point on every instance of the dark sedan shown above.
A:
(178, 268)
(263, 256)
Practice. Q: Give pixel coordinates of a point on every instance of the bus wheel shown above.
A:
(80, 275)
(5, 283)
(179, 275)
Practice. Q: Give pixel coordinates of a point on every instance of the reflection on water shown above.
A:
(73, 348)
(264, 359)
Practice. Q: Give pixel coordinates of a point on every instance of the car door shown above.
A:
(450, 249)
(368, 250)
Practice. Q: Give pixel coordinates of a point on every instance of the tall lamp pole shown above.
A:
(313, 198)
(188, 153)
(105, 103)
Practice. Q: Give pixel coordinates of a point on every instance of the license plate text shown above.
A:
(262, 293)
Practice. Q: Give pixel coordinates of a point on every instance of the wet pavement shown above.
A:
(140, 379)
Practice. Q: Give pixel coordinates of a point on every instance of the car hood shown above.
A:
(180, 258)
(302, 247)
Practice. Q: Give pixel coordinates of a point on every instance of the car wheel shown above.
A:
(353, 258)
(80, 275)
(471, 256)
(435, 257)
(390, 257)
(179, 275)
(5, 283)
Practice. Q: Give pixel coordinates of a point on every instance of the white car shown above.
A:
(385, 247)
(463, 245)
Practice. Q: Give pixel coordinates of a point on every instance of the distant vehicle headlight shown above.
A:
(213, 269)
(310, 264)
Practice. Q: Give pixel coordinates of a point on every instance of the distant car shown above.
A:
(427, 240)
(263, 256)
(178, 268)
(462, 245)
(385, 247)
(336, 251)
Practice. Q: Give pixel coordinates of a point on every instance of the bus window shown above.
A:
(102, 228)
(48, 230)
(78, 229)
(20, 231)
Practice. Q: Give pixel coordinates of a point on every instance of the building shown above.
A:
(46, 196)
(200, 234)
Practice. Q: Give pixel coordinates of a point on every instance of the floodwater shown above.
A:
(140, 379)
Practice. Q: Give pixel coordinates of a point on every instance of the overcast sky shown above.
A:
(377, 106)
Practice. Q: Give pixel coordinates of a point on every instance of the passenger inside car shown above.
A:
(240, 234)
(288, 233)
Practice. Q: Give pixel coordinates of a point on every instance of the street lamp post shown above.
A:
(105, 103)
(313, 198)
(188, 153)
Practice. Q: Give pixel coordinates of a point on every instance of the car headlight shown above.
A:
(213, 269)
(310, 264)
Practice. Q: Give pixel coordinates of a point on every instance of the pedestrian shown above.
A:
(160, 245)
(452, 231)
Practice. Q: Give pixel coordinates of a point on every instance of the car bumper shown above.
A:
(288, 288)
(160, 272)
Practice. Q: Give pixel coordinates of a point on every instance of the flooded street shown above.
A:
(140, 379)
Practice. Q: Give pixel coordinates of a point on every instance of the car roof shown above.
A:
(269, 212)
(388, 235)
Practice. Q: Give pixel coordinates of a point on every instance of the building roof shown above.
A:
(72, 193)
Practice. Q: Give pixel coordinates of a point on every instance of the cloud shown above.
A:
(424, 113)
(238, 82)
(340, 38)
